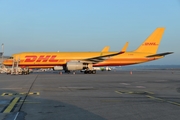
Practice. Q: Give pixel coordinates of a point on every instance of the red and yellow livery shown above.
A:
(87, 60)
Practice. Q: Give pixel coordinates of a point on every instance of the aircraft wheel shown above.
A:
(94, 72)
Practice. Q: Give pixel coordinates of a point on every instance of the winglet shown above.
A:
(105, 49)
(125, 47)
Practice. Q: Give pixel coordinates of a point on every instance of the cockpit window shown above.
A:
(10, 57)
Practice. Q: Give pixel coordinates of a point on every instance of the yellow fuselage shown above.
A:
(51, 59)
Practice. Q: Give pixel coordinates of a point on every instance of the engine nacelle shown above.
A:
(58, 68)
(75, 65)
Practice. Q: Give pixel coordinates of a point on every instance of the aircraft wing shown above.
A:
(160, 54)
(100, 58)
(104, 57)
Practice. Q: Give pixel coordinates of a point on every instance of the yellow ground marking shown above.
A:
(174, 103)
(34, 93)
(160, 99)
(130, 92)
(31, 93)
(171, 102)
(154, 98)
(22, 93)
(149, 96)
(134, 92)
(6, 94)
(11, 105)
(118, 92)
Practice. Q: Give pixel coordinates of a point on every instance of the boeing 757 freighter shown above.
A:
(72, 61)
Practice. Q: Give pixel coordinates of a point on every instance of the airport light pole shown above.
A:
(2, 51)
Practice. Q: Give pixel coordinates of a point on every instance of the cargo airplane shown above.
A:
(72, 61)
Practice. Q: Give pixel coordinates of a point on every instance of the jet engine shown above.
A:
(58, 68)
(75, 65)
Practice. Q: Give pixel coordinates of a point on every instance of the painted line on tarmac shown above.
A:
(118, 92)
(163, 100)
(34, 93)
(155, 98)
(148, 95)
(26, 97)
(175, 103)
(6, 94)
(10, 94)
(16, 116)
(135, 92)
(11, 105)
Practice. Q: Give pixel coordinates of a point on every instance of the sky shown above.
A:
(89, 25)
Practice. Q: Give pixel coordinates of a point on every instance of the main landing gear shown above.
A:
(90, 72)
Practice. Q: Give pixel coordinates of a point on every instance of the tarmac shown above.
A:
(114, 95)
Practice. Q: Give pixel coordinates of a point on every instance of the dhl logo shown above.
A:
(41, 58)
(150, 44)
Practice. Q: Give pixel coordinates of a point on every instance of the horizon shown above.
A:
(88, 26)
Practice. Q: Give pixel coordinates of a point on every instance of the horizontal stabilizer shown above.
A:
(160, 54)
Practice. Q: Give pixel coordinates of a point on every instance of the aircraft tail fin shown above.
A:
(151, 44)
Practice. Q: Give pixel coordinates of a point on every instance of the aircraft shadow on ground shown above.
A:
(38, 108)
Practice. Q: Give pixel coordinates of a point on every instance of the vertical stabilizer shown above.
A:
(151, 44)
